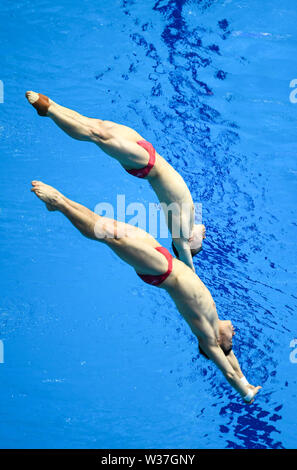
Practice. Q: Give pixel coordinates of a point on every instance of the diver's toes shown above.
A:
(32, 96)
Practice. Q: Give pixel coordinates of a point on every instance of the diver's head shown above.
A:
(226, 333)
(196, 239)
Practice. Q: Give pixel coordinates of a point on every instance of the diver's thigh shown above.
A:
(119, 130)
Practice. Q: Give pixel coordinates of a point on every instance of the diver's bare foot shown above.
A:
(40, 102)
(52, 198)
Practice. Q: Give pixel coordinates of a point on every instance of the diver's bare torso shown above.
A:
(191, 297)
(193, 300)
(144, 254)
(134, 153)
(120, 142)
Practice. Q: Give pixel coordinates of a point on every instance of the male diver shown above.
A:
(139, 158)
(155, 265)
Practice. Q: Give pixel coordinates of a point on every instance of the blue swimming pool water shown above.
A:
(94, 358)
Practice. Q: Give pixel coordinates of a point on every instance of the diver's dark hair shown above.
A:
(226, 352)
(202, 352)
(193, 252)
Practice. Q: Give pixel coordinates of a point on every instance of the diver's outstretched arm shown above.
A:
(216, 354)
(232, 359)
(183, 250)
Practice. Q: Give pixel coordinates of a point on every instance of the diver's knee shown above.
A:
(108, 232)
(98, 131)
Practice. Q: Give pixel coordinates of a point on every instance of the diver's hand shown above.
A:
(251, 386)
(255, 391)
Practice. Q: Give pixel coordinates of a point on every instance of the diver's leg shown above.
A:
(74, 124)
(133, 245)
(78, 126)
(114, 139)
(81, 217)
